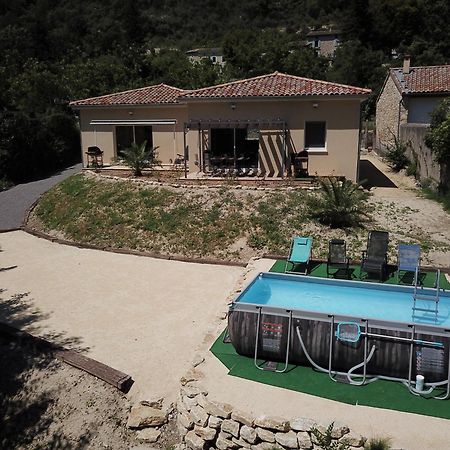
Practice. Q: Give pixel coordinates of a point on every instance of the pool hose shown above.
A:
(372, 378)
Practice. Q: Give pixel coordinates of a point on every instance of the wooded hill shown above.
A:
(56, 51)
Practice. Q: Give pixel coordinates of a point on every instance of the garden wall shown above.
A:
(206, 424)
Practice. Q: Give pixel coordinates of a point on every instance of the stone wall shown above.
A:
(206, 424)
(387, 114)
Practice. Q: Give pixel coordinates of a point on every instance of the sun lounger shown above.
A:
(408, 260)
(337, 257)
(300, 253)
(374, 259)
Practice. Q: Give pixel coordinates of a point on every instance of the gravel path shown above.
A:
(15, 201)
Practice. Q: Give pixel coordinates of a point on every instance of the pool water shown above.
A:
(347, 298)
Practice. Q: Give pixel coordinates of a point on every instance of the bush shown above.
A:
(325, 439)
(396, 155)
(339, 204)
(378, 444)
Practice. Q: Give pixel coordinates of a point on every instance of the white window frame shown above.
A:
(315, 149)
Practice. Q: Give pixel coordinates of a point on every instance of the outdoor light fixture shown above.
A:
(233, 106)
(315, 105)
(130, 113)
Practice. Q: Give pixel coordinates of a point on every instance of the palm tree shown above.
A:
(340, 203)
(137, 157)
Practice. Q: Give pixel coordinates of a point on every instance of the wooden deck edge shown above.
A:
(114, 377)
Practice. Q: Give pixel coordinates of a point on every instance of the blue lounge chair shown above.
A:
(300, 253)
(408, 260)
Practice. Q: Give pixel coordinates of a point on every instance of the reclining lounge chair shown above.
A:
(337, 257)
(408, 260)
(300, 253)
(374, 259)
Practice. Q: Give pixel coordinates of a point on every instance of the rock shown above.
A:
(156, 403)
(224, 435)
(207, 434)
(144, 416)
(214, 422)
(223, 315)
(198, 359)
(354, 440)
(302, 424)
(230, 426)
(199, 416)
(185, 420)
(265, 435)
(190, 391)
(190, 402)
(242, 417)
(224, 444)
(194, 442)
(339, 430)
(148, 434)
(248, 434)
(182, 431)
(222, 410)
(266, 446)
(288, 440)
(192, 375)
(241, 443)
(272, 423)
(304, 441)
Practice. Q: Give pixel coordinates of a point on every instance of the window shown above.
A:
(316, 43)
(315, 133)
(126, 135)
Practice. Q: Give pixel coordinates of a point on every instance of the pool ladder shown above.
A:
(418, 295)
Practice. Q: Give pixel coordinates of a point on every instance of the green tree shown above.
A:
(438, 136)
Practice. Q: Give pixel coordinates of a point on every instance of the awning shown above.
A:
(134, 122)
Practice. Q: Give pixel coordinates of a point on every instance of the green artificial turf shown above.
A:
(380, 394)
(319, 269)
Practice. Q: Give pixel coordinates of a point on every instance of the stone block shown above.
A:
(194, 442)
(248, 434)
(242, 417)
(142, 416)
(231, 427)
(354, 440)
(207, 434)
(302, 424)
(222, 410)
(272, 423)
(214, 422)
(266, 446)
(304, 441)
(148, 435)
(265, 435)
(199, 416)
(225, 444)
(288, 440)
(241, 443)
(185, 420)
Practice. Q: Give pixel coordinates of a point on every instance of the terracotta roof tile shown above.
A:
(274, 85)
(424, 79)
(158, 94)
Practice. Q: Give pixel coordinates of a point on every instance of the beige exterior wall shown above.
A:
(168, 138)
(342, 123)
(390, 114)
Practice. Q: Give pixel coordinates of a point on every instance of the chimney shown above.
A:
(406, 64)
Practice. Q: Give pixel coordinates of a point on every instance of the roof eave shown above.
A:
(361, 96)
(128, 105)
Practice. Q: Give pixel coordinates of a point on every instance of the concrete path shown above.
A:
(15, 201)
(143, 316)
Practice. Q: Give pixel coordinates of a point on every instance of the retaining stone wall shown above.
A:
(205, 424)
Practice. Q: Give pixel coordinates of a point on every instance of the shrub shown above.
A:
(138, 158)
(438, 136)
(396, 154)
(378, 444)
(325, 439)
(339, 204)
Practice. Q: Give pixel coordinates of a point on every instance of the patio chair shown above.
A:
(299, 253)
(374, 259)
(337, 257)
(408, 260)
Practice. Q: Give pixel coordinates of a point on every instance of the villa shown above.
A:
(255, 126)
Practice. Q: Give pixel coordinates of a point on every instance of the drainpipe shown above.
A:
(359, 143)
(400, 103)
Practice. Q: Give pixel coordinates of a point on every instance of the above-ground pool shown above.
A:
(356, 331)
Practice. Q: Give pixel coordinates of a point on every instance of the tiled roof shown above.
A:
(425, 79)
(158, 94)
(274, 85)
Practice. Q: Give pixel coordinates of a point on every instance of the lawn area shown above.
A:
(225, 223)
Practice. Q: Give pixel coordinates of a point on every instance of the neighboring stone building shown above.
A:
(408, 96)
(213, 54)
(324, 41)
